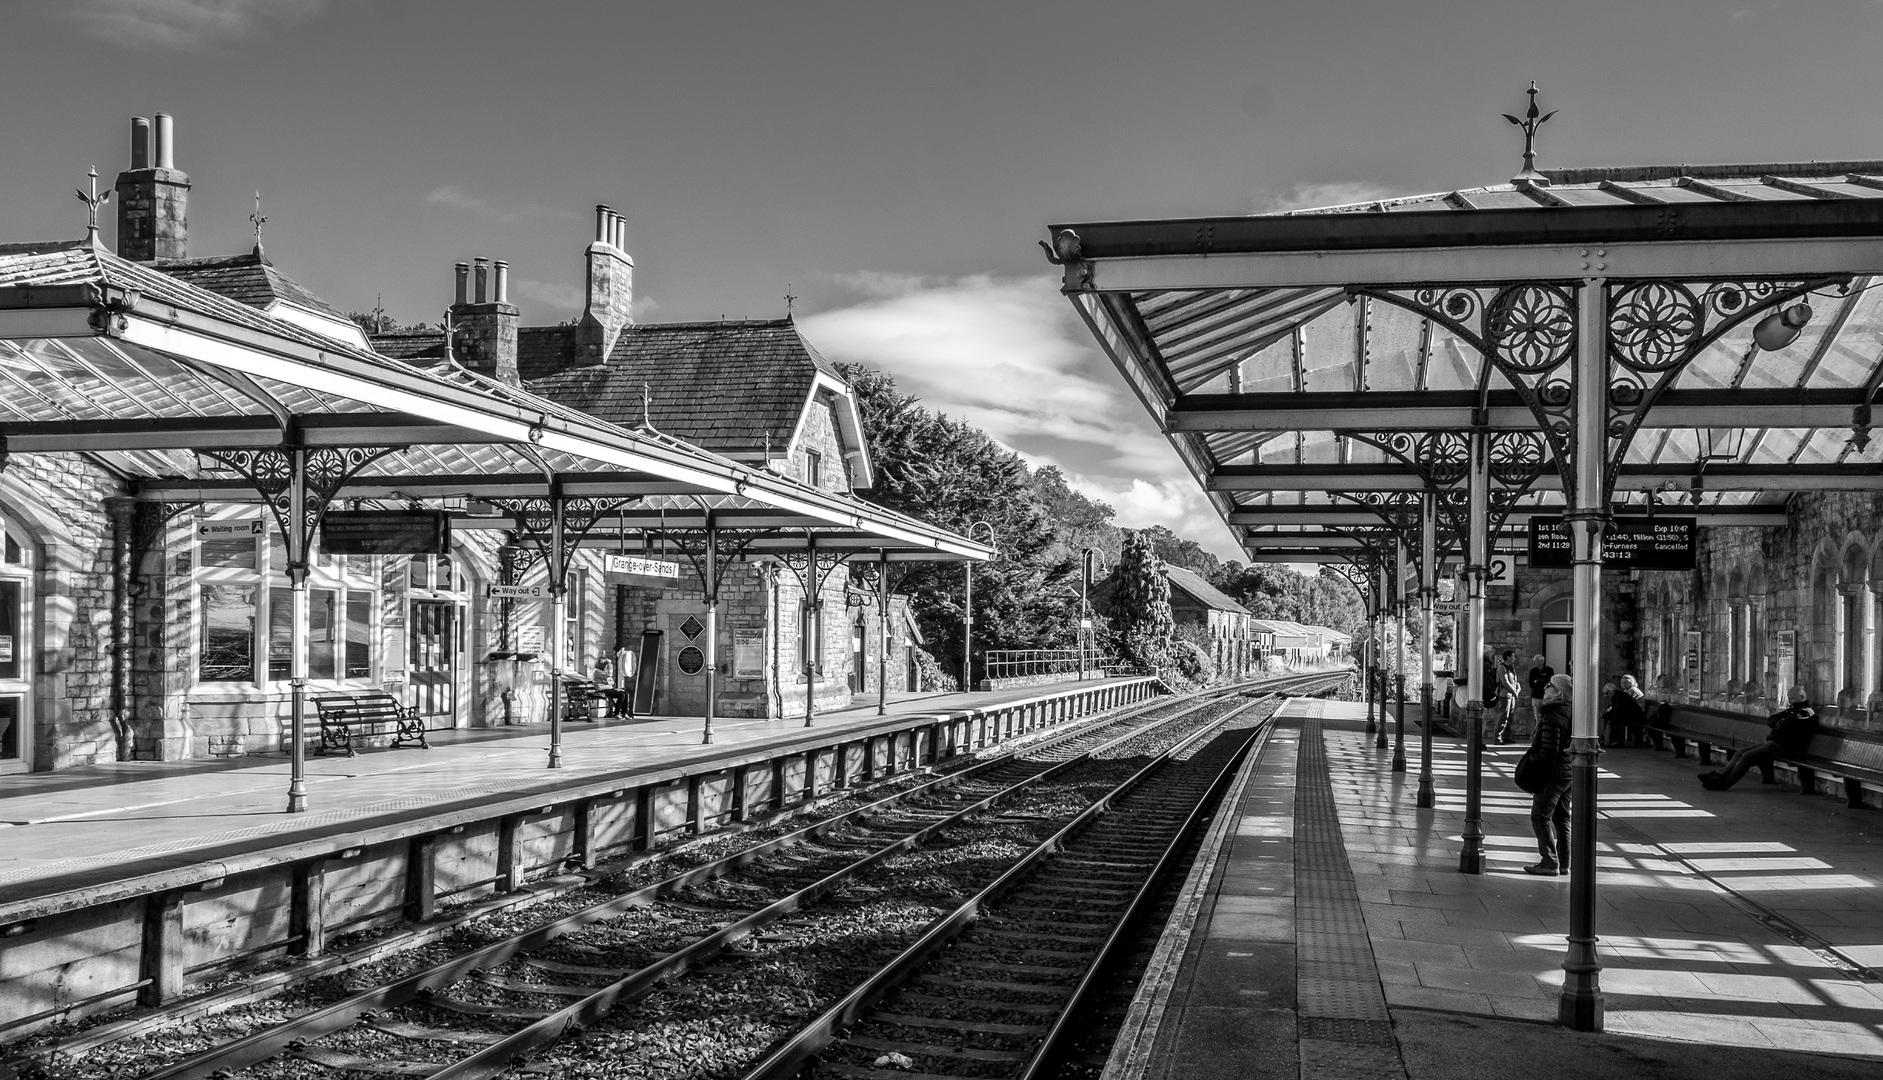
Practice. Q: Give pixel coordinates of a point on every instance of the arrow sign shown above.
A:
(516, 592)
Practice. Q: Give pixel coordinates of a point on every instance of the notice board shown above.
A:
(1629, 543)
(385, 532)
(646, 677)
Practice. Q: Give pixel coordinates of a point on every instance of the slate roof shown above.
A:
(1202, 591)
(724, 386)
(412, 346)
(247, 279)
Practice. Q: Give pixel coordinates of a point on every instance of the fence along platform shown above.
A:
(195, 870)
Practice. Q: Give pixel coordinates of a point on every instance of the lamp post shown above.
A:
(967, 612)
(1088, 569)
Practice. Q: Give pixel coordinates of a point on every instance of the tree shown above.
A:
(1082, 522)
(1140, 602)
(950, 473)
(378, 322)
(1179, 551)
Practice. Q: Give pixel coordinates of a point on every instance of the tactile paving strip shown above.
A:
(1342, 1022)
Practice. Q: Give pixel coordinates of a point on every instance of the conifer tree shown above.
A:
(1140, 602)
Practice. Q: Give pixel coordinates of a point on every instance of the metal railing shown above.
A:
(1022, 663)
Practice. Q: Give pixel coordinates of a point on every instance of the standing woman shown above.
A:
(1549, 809)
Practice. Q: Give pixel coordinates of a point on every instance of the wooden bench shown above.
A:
(361, 713)
(1855, 758)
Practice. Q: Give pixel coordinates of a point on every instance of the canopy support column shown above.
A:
(710, 572)
(1428, 590)
(1471, 650)
(814, 597)
(1379, 646)
(558, 613)
(296, 537)
(1399, 657)
(1580, 1006)
(882, 642)
(1370, 657)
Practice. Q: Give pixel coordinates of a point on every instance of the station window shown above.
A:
(246, 608)
(813, 468)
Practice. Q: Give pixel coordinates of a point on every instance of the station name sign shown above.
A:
(634, 570)
(385, 532)
(1629, 543)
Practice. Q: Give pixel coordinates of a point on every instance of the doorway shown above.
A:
(1557, 639)
(432, 652)
(859, 655)
(16, 639)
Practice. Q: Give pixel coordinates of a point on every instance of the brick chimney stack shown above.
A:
(153, 197)
(486, 337)
(610, 288)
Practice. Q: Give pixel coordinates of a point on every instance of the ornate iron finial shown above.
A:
(451, 331)
(647, 407)
(1530, 122)
(789, 299)
(92, 202)
(256, 219)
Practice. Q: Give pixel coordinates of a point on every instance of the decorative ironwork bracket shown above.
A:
(271, 473)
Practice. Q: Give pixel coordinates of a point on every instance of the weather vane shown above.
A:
(1530, 122)
(256, 219)
(92, 203)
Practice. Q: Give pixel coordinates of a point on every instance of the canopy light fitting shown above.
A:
(1781, 327)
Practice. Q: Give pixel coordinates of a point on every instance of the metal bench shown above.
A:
(1852, 757)
(582, 700)
(347, 716)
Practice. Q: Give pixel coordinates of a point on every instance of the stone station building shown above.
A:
(139, 620)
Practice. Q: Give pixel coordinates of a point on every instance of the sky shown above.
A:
(889, 165)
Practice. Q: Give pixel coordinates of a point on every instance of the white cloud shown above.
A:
(1010, 356)
(453, 197)
(1333, 193)
(182, 24)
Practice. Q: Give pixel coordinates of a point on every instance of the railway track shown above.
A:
(990, 989)
(477, 1012)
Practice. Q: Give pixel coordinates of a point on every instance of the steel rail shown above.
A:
(496, 1057)
(270, 1042)
(784, 1062)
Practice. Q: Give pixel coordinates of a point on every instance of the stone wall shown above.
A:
(1813, 583)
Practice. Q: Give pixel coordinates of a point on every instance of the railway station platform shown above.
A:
(1328, 933)
(87, 827)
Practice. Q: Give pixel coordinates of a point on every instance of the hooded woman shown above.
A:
(1549, 809)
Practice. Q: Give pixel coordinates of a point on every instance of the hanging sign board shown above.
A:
(385, 532)
(634, 570)
(748, 653)
(251, 527)
(1631, 543)
(530, 639)
(516, 592)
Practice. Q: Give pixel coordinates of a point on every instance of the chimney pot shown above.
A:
(621, 232)
(152, 196)
(166, 156)
(483, 280)
(602, 214)
(500, 282)
(462, 295)
(140, 143)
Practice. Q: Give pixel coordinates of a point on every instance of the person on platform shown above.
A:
(1626, 716)
(1549, 808)
(1539, 680)
(1505, 686)
(1791, 731)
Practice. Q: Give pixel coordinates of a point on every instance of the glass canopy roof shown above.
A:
(1289, 356)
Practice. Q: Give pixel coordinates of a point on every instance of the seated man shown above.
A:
(1792, 728)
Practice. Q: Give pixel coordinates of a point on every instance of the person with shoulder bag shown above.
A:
(1548, 760)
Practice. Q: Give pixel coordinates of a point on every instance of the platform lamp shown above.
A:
(1781, 327)
(967, 610)
(1090, 564)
